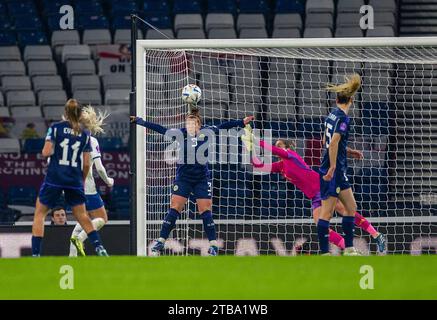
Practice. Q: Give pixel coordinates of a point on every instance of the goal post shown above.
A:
(282, 82)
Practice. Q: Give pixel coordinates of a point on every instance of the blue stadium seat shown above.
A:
(111, 144)
(26, 38)
(87, 7)
(310, 127)
(26, 22)
(222, 6)
(159, 21)
(375, 118)
(253, 6)
(7, 38)
(120, 201)
(121, 22)
(3, 11)
(51, 7)
(290, 6)
(53, 22)
(5, 23)
(183, 6)
(281, 129)
(25, 196)
(156, 7)
(16, 8)
(120, 8)
(92, 22)
(33, 145)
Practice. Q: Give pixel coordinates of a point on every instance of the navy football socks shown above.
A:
(348, 225)
(208, 225)
(169, 223)
(36, 246)
(323, 234)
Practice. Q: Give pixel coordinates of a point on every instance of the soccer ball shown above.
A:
(191, 94)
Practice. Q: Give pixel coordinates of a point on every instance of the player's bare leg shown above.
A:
(84, 220)
(41, 211)
(348, 200)
(204, 206)
(365, 225)
(177, 204)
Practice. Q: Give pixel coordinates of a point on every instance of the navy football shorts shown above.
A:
(333, 188)
(196, 189)
(49, 195)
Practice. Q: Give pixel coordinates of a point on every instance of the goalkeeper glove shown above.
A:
(247, 138)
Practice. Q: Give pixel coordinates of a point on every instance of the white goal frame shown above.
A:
(143, 45)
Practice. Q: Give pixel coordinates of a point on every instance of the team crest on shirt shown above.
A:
(343, 126)
(338, 190)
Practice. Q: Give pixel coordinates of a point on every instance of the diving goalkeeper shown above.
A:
(294, 169)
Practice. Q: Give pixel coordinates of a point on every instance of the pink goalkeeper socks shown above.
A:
(336, 239)
(362, 223)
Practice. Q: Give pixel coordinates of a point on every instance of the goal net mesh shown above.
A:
(394, 123)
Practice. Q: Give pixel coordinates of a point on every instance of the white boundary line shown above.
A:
(426, 219)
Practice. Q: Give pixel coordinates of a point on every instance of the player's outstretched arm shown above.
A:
(149, 125)
(235, 123)
(274, 150)
(102, 172)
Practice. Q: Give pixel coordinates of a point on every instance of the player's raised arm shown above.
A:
(281, 153)
(149, 125)
(248, 140)
(234, 123)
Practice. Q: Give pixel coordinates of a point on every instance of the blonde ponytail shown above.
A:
(93, 121)
(346, 90)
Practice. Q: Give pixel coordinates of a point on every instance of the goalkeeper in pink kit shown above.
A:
(293, 168)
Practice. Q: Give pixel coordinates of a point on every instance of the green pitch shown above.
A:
(225, 277)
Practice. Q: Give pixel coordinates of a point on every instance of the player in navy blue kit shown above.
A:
(192, 177)
(334, 183)
(67, 143)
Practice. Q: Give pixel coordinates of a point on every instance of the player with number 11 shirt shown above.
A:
(67, 145)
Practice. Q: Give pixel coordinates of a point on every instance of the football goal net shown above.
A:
(282, 83)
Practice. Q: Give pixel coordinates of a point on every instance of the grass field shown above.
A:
(225, 277)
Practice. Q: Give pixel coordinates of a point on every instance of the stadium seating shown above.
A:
(52, 98)
(10, 53)
(287, 21)
(41, 66)
(10, 145)
(219, 21)
(51, 82)
(36, 52)
(15, 83)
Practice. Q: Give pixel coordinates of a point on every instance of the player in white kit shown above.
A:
(94, 203)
